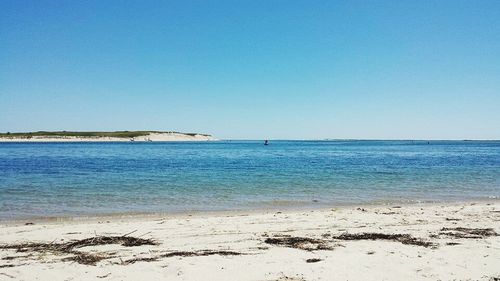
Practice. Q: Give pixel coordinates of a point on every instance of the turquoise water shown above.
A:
(74, 179)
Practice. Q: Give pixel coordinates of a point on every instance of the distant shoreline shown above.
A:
(120, 136)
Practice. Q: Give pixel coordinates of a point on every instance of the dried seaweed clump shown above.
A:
(87, 258)
(125, 241)
(303, 243)
(183, 254)
(200, 253)
(313, 260)
(469, 233)
(70, 247)
(406, 239)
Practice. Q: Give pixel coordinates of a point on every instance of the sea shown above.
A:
(47, 180)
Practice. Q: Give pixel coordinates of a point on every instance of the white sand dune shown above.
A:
(458, 250)
(150, 137)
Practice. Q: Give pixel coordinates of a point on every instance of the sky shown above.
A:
(260, 69)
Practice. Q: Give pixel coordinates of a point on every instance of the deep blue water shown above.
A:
(67, 179)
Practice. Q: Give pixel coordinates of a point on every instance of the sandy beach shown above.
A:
(452, 241)
(148, 137)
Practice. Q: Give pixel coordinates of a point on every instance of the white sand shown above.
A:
(150, 137)
(471, 259)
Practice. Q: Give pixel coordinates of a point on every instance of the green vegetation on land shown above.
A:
(117, 134)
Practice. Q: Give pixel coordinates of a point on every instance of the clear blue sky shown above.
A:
(253, 69)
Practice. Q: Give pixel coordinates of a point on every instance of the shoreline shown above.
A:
(133, 216)
(149, 137)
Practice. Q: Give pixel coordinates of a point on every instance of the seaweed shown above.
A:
(313, 260)
(134, 260)
(303, 243)
(182, 254)
(199, 253)
(87, 258)
(71, 246)
(406, 239)
(467, 233)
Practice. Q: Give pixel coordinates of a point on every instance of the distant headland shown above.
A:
(72, 136)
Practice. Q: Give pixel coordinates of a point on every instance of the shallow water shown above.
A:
(74, 179)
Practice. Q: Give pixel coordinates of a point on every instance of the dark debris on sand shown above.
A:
(134, 260)
(125, 241)
(406, 239)
(200, 253)
(303, 243)
(87, 258)
(468, 233)
(71, 247)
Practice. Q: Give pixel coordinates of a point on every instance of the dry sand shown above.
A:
(443, 242)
